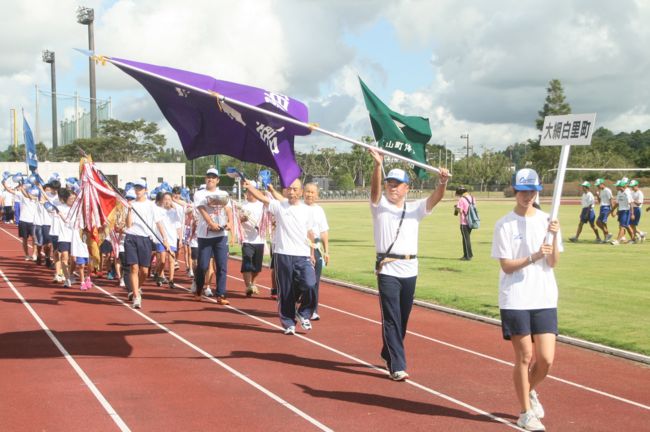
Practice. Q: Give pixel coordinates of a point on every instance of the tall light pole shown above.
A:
(48, 57)
(86, 16)
(466, 138)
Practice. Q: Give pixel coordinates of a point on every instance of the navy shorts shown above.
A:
(37, 232)
(106, 247)
(624, 218)
(137, 250)
(47, 238)
(637, 216)
(604, 213)
(252, 257)
(63, 246)
(528, 322)
(194, 253)
(25, 229)
(55, 242)
(587, 215)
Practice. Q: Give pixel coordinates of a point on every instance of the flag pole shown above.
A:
(291, 120)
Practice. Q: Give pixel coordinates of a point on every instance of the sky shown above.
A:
(471, 67)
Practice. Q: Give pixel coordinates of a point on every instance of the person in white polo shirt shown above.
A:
(396, 223)
(587, 214)
(293, 255)
(635, 214)
(137, 241)
(528, 292)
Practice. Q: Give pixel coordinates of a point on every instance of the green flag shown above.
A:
(397, 133)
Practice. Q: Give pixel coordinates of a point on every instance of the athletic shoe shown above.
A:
(315, 317)
(249, 290)
(171, 284)
(190, 273)
(28, 258)
(222, 300)
(89, 283)
(530, 422)
(614, 242)
(598, 240)
(83, 286)
(33, 258)
(399, 376)
(122, 284)
(255, 290)
(58, 278)
(608, 237)
(137, 303)
(164, 280)
(158, 280)
(129, 296)
(304, 323)
(208, 292)
(290, 330)
(110, 275)
(536, 405)
(573, 239)
(48, 262)
(67, 283)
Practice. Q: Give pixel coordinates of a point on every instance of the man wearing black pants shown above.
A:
(395, 224)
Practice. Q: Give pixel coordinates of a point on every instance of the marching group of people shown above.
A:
(152, 230)
(626, 205)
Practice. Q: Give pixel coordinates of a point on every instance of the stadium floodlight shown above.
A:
(86, 16)
(48, 57)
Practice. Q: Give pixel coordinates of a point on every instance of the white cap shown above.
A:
(526, 179)
(252, 183)
(130, 194)
(140, 183)
(212, 171)
(398, 174)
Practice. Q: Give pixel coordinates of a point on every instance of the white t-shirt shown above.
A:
(587, 199)
(7, 198)
(55, 224)
(251, 226)
(171, 224)
(27, 208)
(624, 198)
(534, 286)
(218, 215)
(293, 223)
(606, 197)
(78, 248)
(148, 210)
(320, 220)
(637, 197)
(386, 217)
(65, 228)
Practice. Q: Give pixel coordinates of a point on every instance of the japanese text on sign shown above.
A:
(570, 129)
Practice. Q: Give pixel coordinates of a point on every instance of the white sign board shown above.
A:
(570, 129)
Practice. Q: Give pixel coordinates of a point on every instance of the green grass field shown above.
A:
(604, 289)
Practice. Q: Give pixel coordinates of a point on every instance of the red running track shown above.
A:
(179, 364)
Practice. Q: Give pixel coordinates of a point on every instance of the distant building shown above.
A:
(322, 182)
(117, 172)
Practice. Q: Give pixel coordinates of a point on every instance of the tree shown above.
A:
(555, 103)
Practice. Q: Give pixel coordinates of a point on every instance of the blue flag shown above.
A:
(30, 146)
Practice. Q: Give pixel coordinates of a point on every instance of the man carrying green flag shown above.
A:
(397, 133)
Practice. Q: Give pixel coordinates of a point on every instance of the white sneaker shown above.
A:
(290, 330)
(315, 317)
(304, 323)
(122, 284)
(614, 242)
(608, 237)
(137, 303)
(190, 274)
(536, 405)
(67, 283)
(530, 422)
(208, 292)
(399, 376)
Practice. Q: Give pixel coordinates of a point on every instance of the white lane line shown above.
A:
(230, 369)
(371, 366)
(478, 354)
(98, 395)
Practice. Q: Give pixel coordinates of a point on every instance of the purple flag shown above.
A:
(206, 126)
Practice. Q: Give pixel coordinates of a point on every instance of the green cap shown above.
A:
(585, 184)
(600, 181)
(634, 183)
(621, 183)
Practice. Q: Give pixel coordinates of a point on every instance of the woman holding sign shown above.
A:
(528, 292)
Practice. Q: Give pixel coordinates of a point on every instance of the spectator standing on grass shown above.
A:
(528, 292)
(604, 196)
(461, 209)
(587, 214)
(396, 224)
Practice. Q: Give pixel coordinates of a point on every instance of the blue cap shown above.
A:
(130, 194)
(397, 174)
(526, 179)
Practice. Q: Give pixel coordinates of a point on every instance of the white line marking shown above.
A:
(371, 366)
(233, 371)
(476, 353)
(98, 395)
